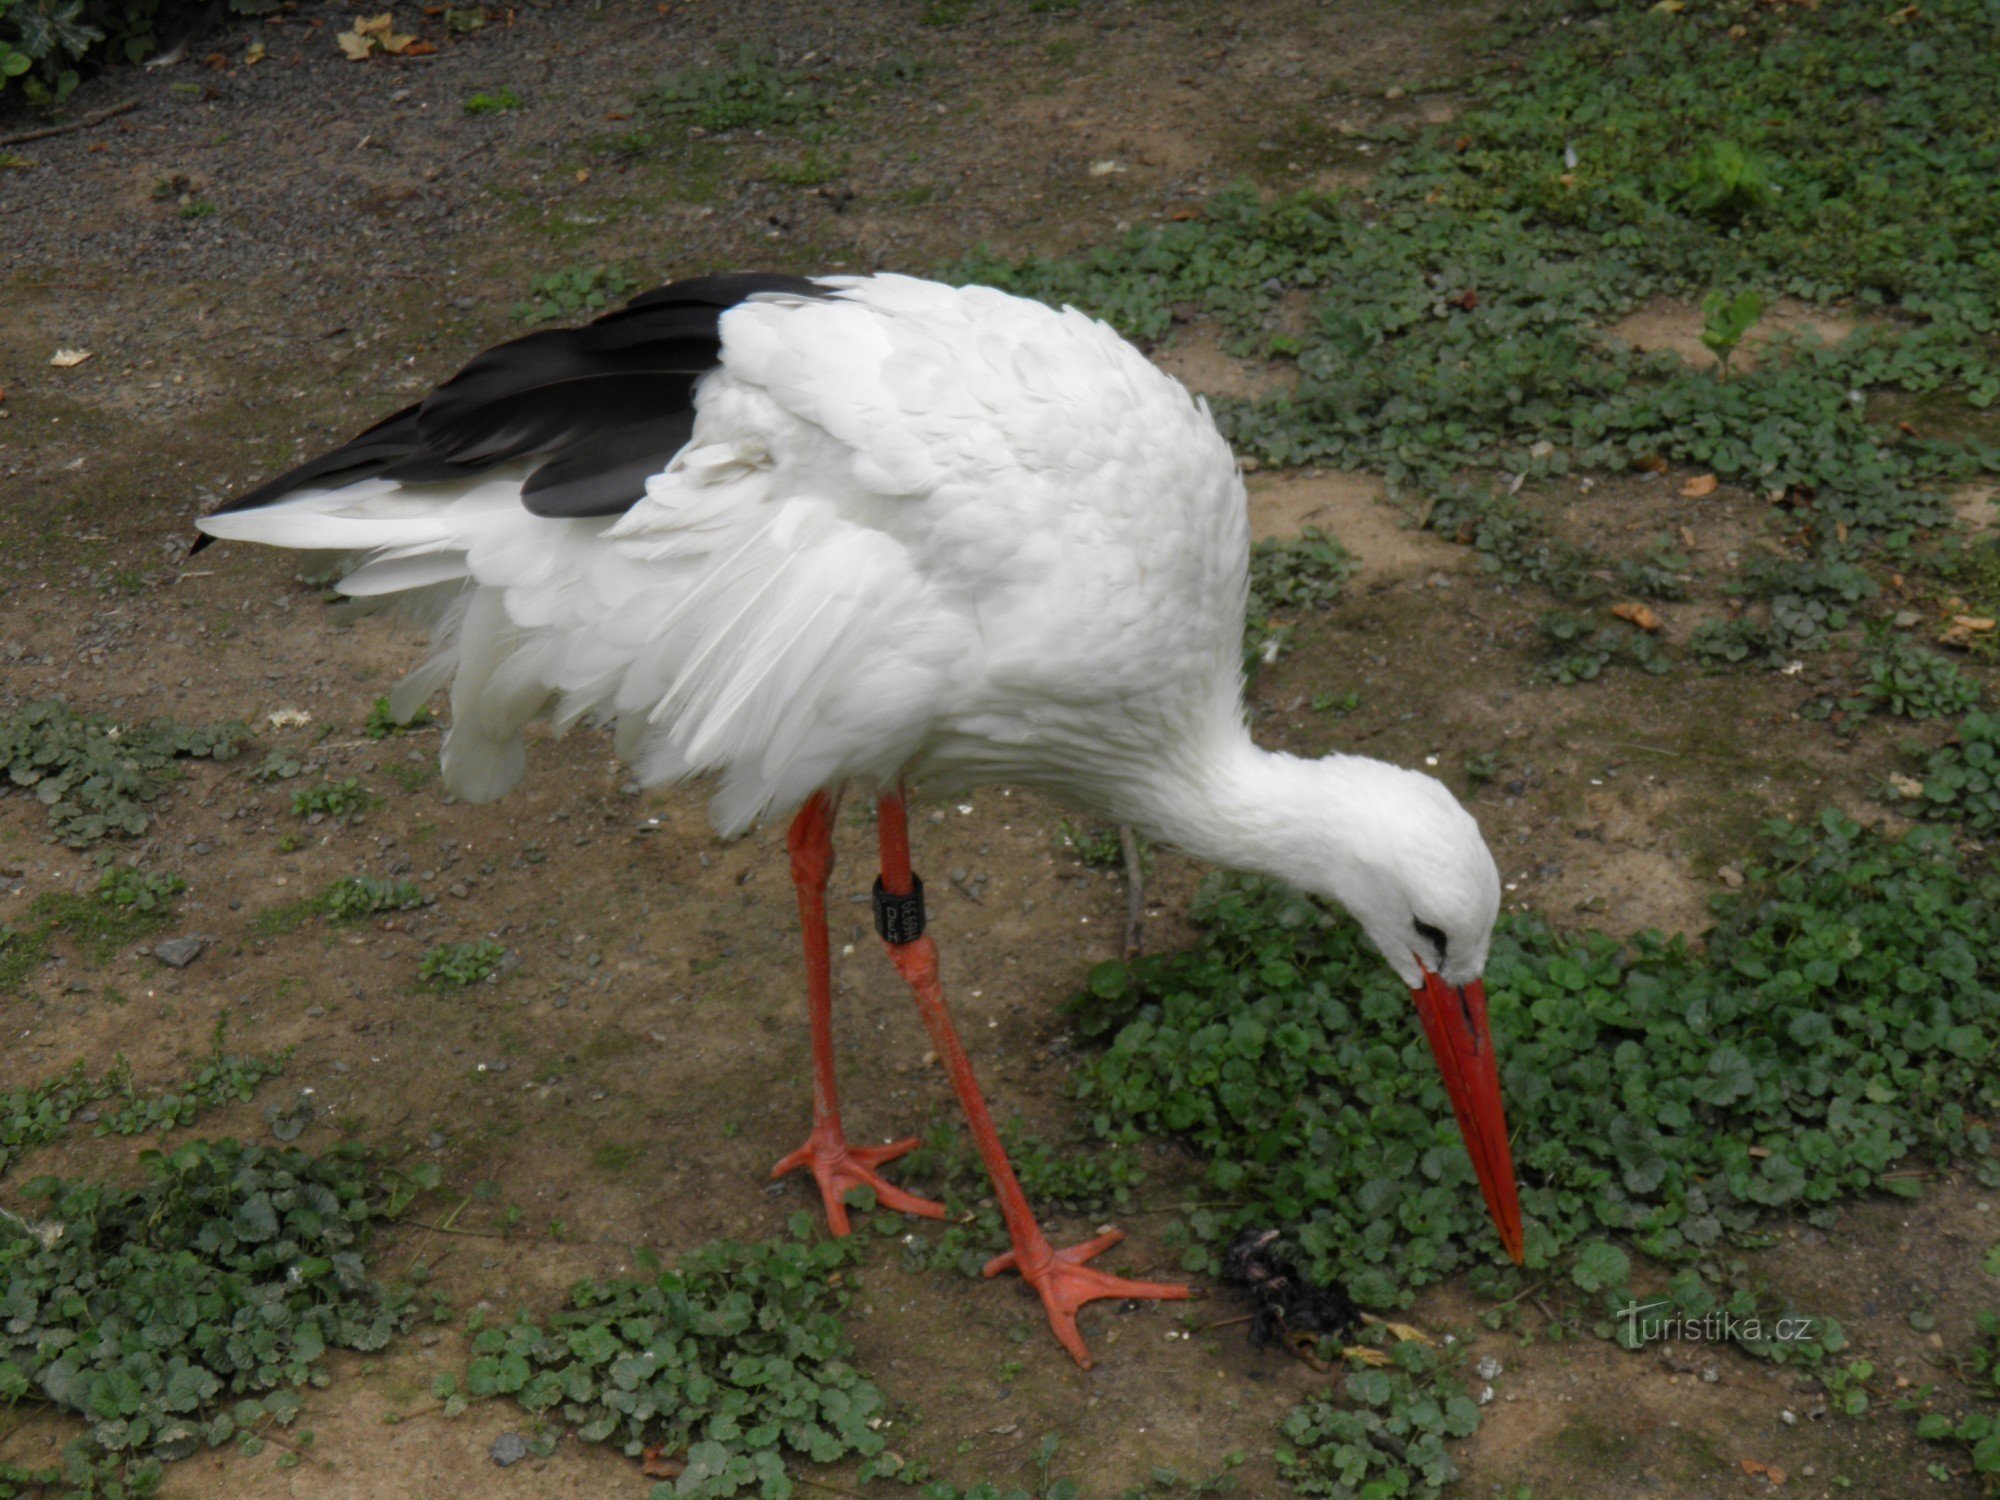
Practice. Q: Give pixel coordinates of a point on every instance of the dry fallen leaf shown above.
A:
(1972, 622)
(375, 25)
(1651, 464)
(69, 359)
(396, 43)
(1637, 614)
(253, 54)
(1906, 786)
(1698, 487)
(1406, 1332)
(354, 44)
(1770, 1471)
(1367, 1355)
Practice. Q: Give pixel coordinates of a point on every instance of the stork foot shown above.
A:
(1065, 1284)
(839, 1168)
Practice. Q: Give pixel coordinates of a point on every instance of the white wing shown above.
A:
(908, 514)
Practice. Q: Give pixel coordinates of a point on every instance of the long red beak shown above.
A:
(1455, 1021)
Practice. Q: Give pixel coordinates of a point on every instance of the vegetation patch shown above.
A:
(1975, 1432)
(34, 1116)
(338, 800)
(459, 965)
(752, 91)
(383, 724)
(352, 898)
(97, 777)
(1290, 576)
(125, 906)
(1839, 1023)
(575, 291)
(188, 1311)
(1961, 780)
(1908, 682)
(734, 1359)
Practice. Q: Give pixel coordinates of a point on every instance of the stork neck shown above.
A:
(1263, 811)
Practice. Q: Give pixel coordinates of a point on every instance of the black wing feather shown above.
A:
(603, 406)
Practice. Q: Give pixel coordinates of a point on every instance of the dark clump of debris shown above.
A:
(1289, 1308)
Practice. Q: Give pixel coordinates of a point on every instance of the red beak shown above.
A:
(1455, 1021)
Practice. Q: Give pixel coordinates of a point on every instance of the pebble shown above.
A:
(435, 1141)
(508, 1448)
(1490, 1368)
(178, 953)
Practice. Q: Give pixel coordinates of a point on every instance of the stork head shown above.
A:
(1412, 867)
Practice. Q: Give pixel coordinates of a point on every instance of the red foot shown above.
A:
(1066, 1283)
(838, 1167)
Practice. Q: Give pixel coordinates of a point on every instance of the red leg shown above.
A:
(836, 1166)
(1060, 1277)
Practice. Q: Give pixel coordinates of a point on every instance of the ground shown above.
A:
(631, 1075)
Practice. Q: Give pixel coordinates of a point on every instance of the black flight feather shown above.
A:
(603, 406)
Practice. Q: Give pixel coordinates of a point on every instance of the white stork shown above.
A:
(801, 534)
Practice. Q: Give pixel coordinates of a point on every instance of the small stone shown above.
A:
(435, 1141)
(1908, 619)
(314, 1012)
(1393, 91)
(508, 1448)
(178, 953)
(1490, 1368)
(1730, 876)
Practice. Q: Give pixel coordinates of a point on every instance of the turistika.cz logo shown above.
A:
(1655, 1322)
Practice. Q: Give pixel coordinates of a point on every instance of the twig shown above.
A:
(1527, 1291)
(97, 117)
(1225, 1323)
(1135, 893)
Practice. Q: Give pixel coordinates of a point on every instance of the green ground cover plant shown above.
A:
(573, 292)
(31, 1117)
(1289, 576)
(97, 777)
(1840, 1022)
(1908, 682)
(1974, 1431)
(383, 724)
(46, 46)
(1961, 778)
(736, 1356)
(752, 91)
(125, 905)
(338, 800)
(459, 965)
(189, 1310)
(352, 898)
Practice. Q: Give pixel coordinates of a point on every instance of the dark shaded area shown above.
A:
(1287, 1304)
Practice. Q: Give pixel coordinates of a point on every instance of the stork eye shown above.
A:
(1432, 935)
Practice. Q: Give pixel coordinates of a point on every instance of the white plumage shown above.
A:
(796, 534)
(919, 531)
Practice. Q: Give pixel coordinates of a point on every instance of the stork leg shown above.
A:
(1059, 1277)
(836, 1166)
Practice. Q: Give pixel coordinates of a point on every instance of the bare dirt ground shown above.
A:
(630, 1079)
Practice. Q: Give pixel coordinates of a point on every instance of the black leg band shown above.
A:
(900, 919)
